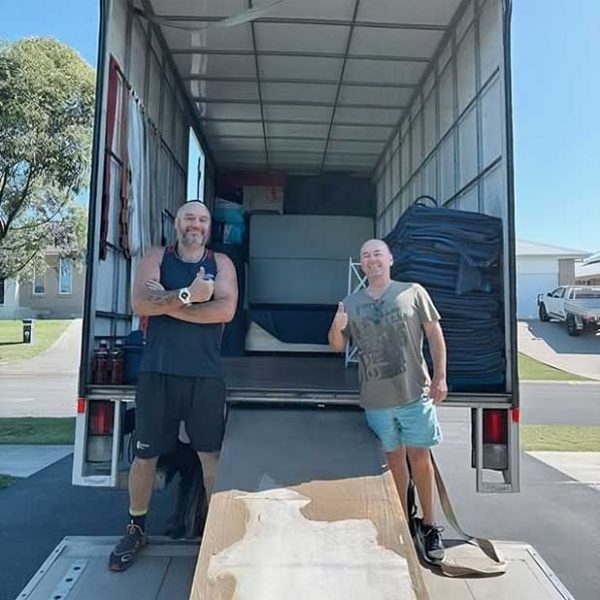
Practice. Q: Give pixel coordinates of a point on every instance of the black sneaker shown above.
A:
(428, 539)
(126, 550)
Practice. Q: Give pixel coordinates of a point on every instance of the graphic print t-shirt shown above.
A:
(389, 336)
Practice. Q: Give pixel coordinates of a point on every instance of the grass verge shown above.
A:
(29, 430)
(560, 438)
(45, 334)
(529, 368)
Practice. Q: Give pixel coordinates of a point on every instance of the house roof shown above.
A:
(587, 270)
(527, 248)
(593, 259)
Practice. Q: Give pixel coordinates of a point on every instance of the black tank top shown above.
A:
(177, 347)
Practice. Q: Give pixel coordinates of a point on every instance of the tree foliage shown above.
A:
(46, 121)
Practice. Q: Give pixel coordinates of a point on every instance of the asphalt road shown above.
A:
(541, 403)
(44, 395)
(560, 403)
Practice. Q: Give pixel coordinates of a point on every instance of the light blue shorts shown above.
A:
(414, 425)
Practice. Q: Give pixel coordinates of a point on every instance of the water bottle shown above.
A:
(101, 366)
(117, 360)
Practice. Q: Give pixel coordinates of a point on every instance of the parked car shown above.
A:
(576, 305)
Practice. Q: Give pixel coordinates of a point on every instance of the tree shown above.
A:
(46, 119)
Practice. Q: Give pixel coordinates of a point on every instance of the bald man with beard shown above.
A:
(386, 321)
(188, 294)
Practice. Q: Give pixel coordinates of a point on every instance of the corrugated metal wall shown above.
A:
(451, 144)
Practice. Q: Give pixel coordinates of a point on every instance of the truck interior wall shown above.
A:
(330, 194)
(452, 143)
(145, 75)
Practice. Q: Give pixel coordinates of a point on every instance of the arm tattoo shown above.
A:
(161, 297)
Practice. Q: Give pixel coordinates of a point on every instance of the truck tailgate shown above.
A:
(166, 568)
(302, 503)
(77, 570)
(527, 576)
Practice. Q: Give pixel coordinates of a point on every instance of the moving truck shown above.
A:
(324, 121)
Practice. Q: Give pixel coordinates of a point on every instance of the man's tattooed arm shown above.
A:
(163, 298)
(148, 299)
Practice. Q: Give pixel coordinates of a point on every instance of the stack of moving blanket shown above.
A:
(457, 257)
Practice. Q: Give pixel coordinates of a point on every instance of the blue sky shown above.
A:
(555, 47)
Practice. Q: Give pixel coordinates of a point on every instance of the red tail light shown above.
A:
(101, 419)
(495, 427)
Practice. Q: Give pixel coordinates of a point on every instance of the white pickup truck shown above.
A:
(577, 306)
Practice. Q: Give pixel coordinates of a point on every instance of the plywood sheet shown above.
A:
(304, 508)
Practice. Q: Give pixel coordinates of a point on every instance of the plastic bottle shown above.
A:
(101, 366)
(117, 359)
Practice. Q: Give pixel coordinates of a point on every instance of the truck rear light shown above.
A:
(81, 406)
(101, 418)
(495, 426)
(516, 415)
(494, 437)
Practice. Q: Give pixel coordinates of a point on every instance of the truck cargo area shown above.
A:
(307, 128)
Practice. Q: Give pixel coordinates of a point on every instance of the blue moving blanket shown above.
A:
(457, 256)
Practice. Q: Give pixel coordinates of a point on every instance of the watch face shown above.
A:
(184, 295)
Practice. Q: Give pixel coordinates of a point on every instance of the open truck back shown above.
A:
(333, 117)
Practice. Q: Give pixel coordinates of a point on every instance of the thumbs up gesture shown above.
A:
(201, 289)
(340, 321)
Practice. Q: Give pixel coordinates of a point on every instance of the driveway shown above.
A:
(550, 344)
(45, 385)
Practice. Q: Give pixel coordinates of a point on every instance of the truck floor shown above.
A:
(260, 372)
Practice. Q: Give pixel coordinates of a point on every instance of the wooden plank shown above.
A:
(304, 507)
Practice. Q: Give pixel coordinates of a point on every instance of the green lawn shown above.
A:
(530, 368)
(29, 430)
(5, 481)
(45, 334)
(562, 438)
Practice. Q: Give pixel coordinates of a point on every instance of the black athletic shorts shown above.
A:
(163, 401)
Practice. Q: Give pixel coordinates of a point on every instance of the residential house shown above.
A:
(588, 272)
(541, 268)
(55, 293)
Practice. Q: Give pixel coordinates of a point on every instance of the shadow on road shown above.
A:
(555, 335)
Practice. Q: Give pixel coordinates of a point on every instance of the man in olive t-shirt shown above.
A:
(386, 322)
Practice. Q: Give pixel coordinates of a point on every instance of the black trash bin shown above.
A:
(27, 331)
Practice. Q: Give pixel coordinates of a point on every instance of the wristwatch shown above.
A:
(185, 296)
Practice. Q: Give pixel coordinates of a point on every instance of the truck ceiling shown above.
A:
(303, 86)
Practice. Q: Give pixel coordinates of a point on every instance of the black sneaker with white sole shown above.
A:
(428, 539)
(126, 550)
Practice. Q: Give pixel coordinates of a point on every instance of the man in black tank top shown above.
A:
(188, 293)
